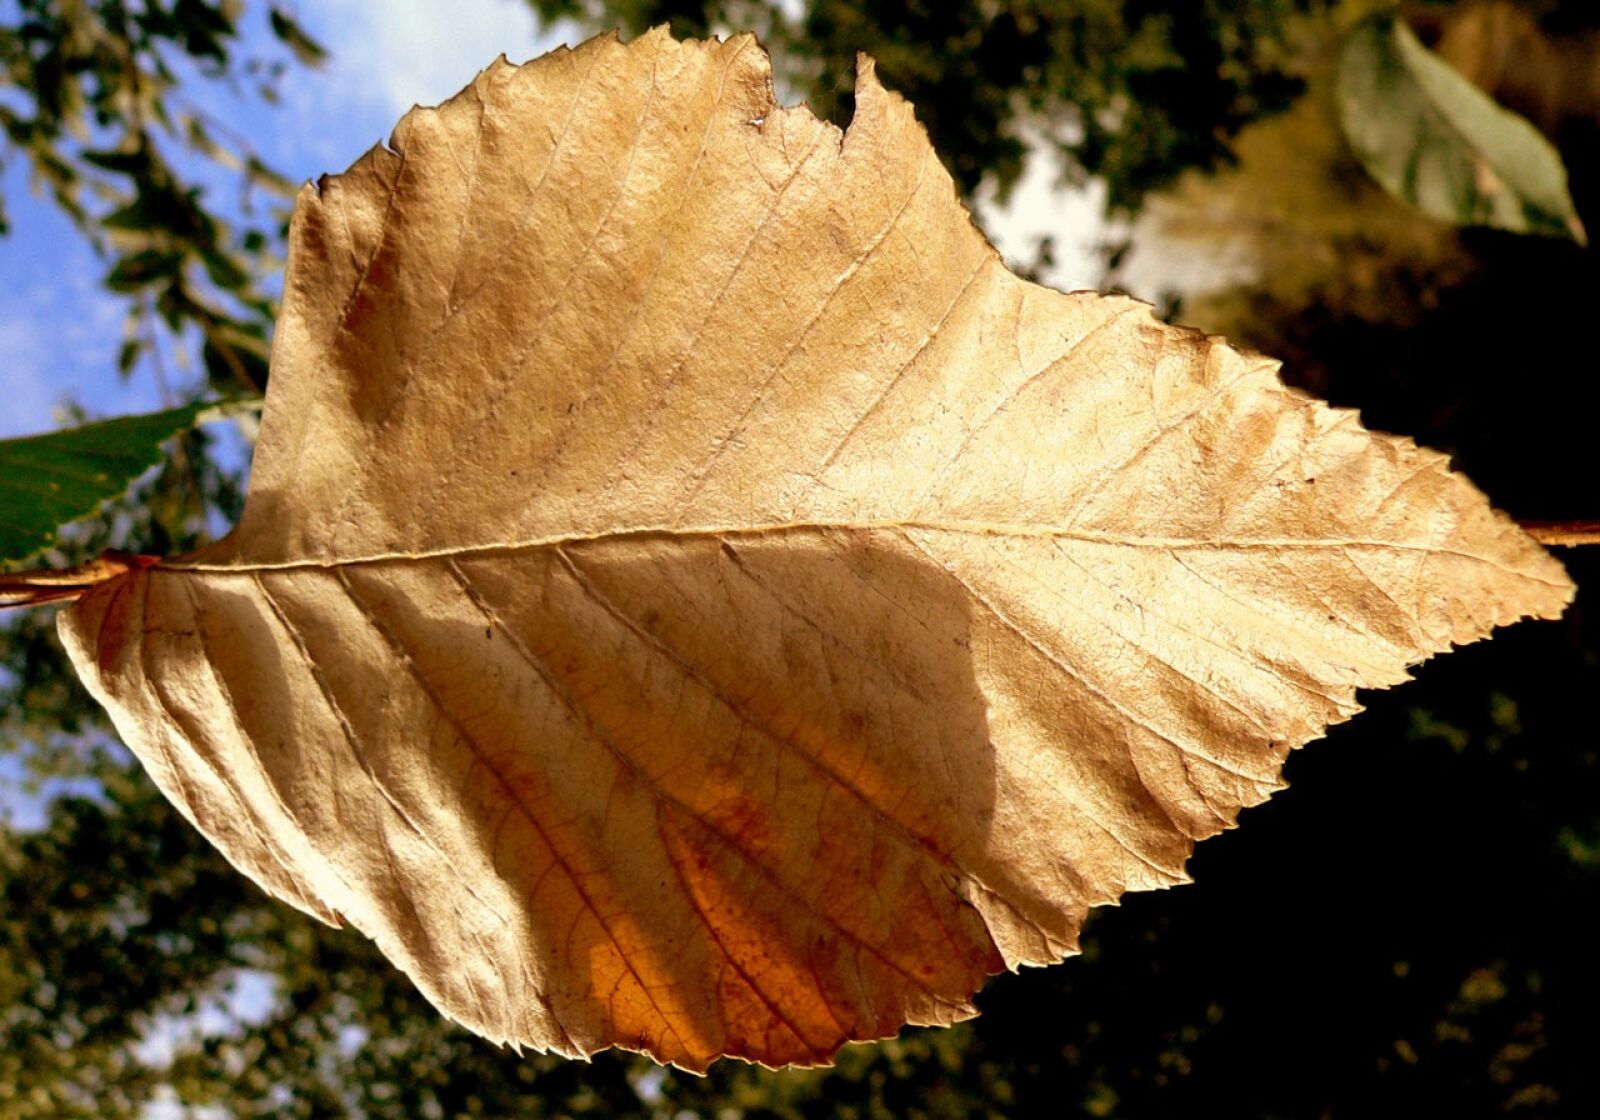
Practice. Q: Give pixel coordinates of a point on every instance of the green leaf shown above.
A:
(158, 207)
(1438, 142)
(267, 179)
(142, 268)
(128, 355)
(306, 49)
(124, 163)
(224, 271)
(48, 480)
(232, 357)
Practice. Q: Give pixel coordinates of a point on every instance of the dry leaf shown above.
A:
(693, 598)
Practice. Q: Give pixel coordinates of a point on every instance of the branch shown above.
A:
(1565, 534)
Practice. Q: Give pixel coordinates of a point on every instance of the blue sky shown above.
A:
(59, 331)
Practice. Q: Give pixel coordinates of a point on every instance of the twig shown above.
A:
(1566, 534)
(31, 589)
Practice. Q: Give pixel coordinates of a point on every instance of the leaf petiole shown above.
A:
(39, 586)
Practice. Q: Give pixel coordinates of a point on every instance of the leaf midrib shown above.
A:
(959, 528)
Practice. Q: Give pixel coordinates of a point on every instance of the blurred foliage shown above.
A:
(1407, 931)
(98, 101)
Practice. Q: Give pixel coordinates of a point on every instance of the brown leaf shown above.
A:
(693, 598)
